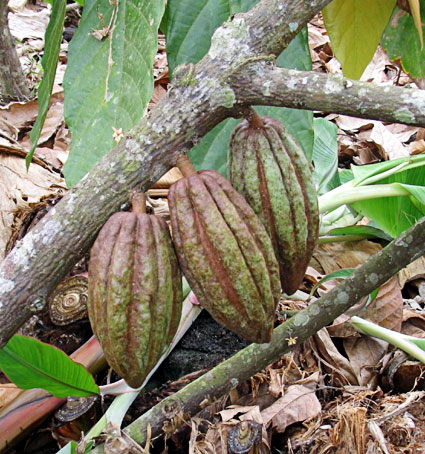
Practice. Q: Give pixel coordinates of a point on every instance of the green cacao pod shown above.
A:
(269, 168)
(134, 292)
(225, 253)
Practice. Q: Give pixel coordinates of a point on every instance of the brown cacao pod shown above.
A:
(225, 254)
(269, 168)
(134, 293)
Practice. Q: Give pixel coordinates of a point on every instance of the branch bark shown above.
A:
(329, 93)
(228, 374)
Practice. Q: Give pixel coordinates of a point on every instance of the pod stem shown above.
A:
(185, 166)
(138, 203)
(255, 121)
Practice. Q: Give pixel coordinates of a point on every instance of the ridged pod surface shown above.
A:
(269, 168)
(135, 293)
(225, 253)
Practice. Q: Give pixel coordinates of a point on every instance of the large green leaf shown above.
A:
(396, 214)
(325, 156)
(211, 152)
(30, 363)
(108, 82)
(355, 28)
(189, 26)
(49, 63)
(402, 42)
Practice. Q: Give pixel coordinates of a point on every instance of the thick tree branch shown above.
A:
(230, 373)
(200, 99)
(273, 86)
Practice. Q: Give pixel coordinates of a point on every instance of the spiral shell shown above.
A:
(68, 302)
(244, 438)
(75, 407)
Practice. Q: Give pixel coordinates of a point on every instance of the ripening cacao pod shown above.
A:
(269, 168)
(134, 291)
(224, 252)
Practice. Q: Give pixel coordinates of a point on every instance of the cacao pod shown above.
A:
(269, 168)
(134, 292)
(225, 253)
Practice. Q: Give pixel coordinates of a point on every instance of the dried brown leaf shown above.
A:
(335, 256)
(364, 354)
(297, 404)
(414, 270)
(22, 189)
(337, 365)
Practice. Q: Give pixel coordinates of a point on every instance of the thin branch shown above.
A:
(273, 86)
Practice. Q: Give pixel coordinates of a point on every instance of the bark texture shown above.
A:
(13, 86)
(329, 93)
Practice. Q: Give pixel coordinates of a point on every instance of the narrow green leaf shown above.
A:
(340, 274)
(355, 28)
(401, 41)
(108, 82)
(416, 14)
(69, 448)
(365, 231)
(49, 63)
(30, 363)
(325, 156)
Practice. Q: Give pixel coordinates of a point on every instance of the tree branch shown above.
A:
(230, 373)
(200, 99)
(273, 86)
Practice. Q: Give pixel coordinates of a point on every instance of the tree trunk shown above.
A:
(13, 86)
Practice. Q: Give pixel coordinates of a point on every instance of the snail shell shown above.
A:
(74, 408)
(68, 302)
(244, 438)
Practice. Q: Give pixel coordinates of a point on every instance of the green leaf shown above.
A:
(211, 152)
(99, 94)
(69, 448)
(53, 39)
(396, 214)
(325, 156)
(30, 363)
(355, 28)
(339, 274)
(365, 231)
(373, 173)
(190, 25)
(402, 42)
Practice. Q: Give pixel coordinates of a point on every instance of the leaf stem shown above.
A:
(393, 337)
(335, 198)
